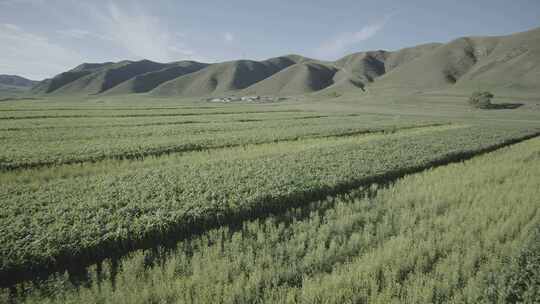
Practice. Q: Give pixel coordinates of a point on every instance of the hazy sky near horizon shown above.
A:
(40, 38)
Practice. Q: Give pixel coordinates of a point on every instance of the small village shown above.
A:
(253, 98)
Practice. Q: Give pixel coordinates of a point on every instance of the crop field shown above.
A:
(75, 140)
(377, 248)
(263, 204)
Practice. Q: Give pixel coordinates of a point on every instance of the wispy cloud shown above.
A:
(140, 34)
(228, 37)
(32, 55)
(21, 2)
(337, 45)
(76, 33)
(124, 30)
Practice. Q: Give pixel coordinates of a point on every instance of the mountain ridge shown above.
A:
(16, 81)
(475, 62)
(15, 85)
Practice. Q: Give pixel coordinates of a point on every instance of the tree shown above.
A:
(481, 100)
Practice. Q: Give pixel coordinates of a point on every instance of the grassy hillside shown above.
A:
(513, 63)
(300, 78)
(360, 69)
(16, 81)
(148, 81)
(12, 85)
(62, 79)
(405, 55)
(7, 91)
(472, 63)
(50, 85)
(106, 77)
(441, 67)
(224, 77)
(366, 66)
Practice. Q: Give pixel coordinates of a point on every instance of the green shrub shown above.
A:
(481, 100)
(335, 95)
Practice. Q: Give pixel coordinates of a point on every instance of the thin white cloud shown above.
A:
(76, 33)
(228, 37)
(32, 55)
(11, 27)
(140, 34)
(337, 45)
(21, 2)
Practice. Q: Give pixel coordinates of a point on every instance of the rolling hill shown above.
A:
(63, 79)
(16, 81)
(470, 63)
(301, 78)
(13, 85)
(467, 63)
(441, 67)
(223, 78)
(91, 79)
(513, 62)
(148, 81)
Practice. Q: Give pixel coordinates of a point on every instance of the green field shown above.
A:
(434, 237)
(137, 199)
(160, 155)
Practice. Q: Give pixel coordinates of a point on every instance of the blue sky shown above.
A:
(40, 38)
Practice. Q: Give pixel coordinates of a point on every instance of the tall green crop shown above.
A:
(440, 236)
(79, 220)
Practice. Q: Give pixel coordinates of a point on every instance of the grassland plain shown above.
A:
(462, 233)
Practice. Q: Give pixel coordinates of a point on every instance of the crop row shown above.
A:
(155, 113)
(518, 279)
(103, 122)
(440, 236)
(79, 220)
(178, 127)
(101, 108)
(33, 148)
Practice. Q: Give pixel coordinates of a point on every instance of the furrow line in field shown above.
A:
(103, 108)
(156, 152)
(172, 123)
(142, 115)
